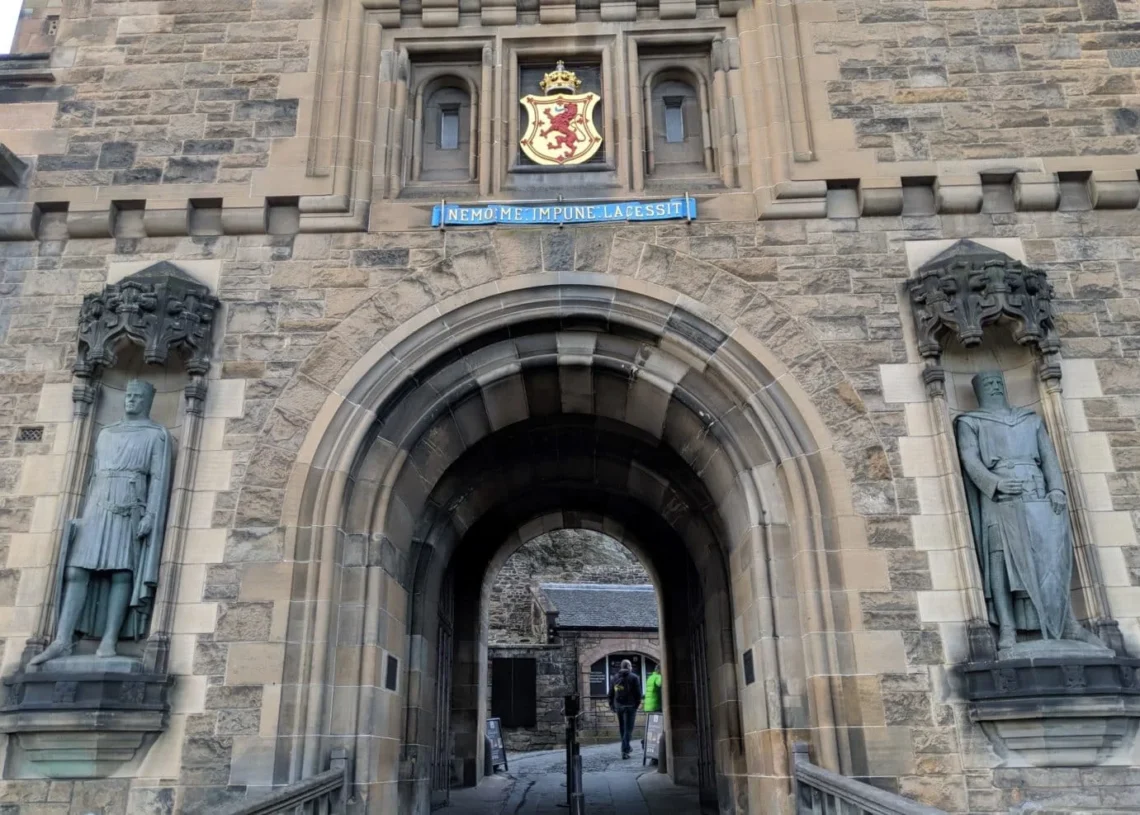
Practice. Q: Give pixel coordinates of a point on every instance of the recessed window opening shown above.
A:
(30, 434)
(449, 126)
(678, 135)
(674, 119)
(445, 147)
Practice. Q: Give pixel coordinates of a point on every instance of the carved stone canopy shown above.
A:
(969, 287)
(160, 308)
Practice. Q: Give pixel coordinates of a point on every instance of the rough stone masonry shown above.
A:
(740, 399)
(561, 556)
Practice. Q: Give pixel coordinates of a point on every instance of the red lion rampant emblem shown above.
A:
(560, 128)
(561, 119)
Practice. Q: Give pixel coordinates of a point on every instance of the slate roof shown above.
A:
(602, 605)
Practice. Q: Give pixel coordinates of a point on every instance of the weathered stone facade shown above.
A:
(561, 556)
(929, 81)
(563, 667)
(906, 632)
(392, 409)
(37, 27)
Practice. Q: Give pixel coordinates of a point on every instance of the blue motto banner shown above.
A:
(482, 214)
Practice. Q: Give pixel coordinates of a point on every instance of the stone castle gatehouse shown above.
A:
(341, 240)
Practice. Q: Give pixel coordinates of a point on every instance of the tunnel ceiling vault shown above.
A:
(640, 392)
(572, 463)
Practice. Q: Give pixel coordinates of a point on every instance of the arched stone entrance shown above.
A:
(572, 392)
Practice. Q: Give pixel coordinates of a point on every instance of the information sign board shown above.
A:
(498, 749)
(654, 727)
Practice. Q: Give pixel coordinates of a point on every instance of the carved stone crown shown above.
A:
(560, 80)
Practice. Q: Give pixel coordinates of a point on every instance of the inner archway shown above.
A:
(566, 607)
(573, 397)
(587, 465)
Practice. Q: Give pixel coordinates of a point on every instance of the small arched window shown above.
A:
(674, 119)
(446, 135)
(678, 139)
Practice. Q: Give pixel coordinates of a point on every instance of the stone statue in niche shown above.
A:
(109, 565)
(1019, 514)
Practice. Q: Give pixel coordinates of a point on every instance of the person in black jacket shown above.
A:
(625, 696)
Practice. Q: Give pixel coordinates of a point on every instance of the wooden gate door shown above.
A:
(445, 653)
(706, 761)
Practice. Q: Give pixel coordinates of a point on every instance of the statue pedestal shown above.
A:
(89, 664)
(1055, 649)
(83, 716)
(1071, 706)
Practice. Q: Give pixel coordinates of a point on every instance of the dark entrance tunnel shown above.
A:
(580, 466)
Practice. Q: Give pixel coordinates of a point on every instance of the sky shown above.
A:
(9, 13)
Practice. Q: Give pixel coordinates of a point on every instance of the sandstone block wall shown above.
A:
(1015, 124)
(825, 295)
(931, 81)
(227, 107)
(184, 96)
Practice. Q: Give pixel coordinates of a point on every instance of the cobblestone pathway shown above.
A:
(536, 785)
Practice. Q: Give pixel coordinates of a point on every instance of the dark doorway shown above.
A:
(513, 691)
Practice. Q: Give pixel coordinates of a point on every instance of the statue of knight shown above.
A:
(109, 565)
(1018, 510)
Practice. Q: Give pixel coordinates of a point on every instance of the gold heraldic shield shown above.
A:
(560, 128)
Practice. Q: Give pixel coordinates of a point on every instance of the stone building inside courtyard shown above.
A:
(410, 284)
(553, 631)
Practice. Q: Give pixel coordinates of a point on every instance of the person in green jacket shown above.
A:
(653, 691)
(651, 702)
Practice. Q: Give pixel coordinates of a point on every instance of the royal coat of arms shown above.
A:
(560, 128)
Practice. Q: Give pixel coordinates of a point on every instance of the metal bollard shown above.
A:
(575, 797)
(578, 797)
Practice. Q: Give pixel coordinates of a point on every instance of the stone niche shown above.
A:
(81, 715)
(1040, 703)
